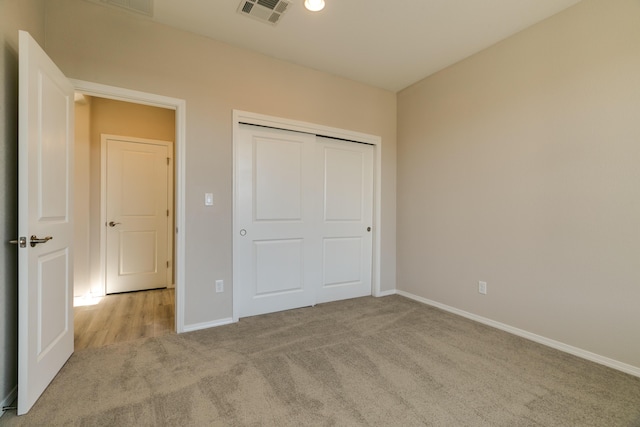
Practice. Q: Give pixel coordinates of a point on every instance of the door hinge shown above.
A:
(168, 158)
(167, 264)
(167, 212)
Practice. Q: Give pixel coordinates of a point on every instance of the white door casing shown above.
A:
(180, 108)
(45, 209)
(303, 218)
(138, 210)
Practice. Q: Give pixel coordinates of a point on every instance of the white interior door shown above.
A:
(346, 219)
(303, 215)
(137, 214)
(275, 253)
(45, 208)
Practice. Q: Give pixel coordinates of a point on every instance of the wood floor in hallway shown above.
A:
(125, 317)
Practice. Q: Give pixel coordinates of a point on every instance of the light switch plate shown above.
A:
(482, 287)
(208, 199)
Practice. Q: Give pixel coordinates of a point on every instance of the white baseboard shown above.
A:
(11, 397)
(584, 354)
(206, 325)
(385, 293)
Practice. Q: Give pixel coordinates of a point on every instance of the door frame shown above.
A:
(103, 202)
(244, 117)
(179, 106)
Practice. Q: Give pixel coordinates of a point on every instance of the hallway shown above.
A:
(124, 317)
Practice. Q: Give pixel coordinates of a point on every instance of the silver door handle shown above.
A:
(113, 224)
(35, 240)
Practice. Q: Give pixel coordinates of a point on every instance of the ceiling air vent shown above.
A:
(269, 11)
(144, 7)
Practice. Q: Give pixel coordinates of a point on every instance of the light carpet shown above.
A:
(369, 361)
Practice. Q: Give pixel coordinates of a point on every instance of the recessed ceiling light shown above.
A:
(314, 5)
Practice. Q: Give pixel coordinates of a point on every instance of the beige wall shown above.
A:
(14, 15)
(107, 46)
(127, 119)
(520, 166)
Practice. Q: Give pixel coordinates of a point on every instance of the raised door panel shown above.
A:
(137, 182)
(342, 264)
(270, 278)
(343, 184)
(53, 299)
(138, 253)
(278, 179)
(53, 156)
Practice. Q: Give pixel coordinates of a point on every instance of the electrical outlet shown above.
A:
(482, 287)
(219, 286)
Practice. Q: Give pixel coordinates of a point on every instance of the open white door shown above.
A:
(45, 225)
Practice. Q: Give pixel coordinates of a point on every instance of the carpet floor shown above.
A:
(369, 361)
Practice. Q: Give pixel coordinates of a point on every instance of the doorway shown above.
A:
(139, 314)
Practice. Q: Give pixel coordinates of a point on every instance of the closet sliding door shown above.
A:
(303, 215)
(346, 200)
(275, 210)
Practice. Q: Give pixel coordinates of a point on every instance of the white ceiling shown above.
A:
(389, 44)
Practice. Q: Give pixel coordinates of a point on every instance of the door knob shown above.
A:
(113, 224)
(35, 240)
(369, 229)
